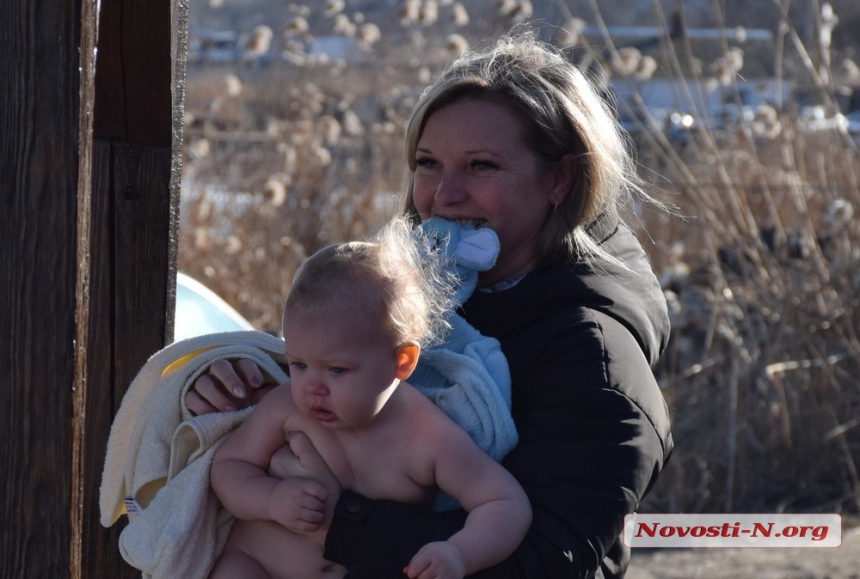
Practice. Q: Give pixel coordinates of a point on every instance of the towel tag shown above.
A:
(132, 508)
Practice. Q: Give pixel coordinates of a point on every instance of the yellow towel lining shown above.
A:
(179, 363)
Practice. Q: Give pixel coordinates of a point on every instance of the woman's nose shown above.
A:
(451, 190)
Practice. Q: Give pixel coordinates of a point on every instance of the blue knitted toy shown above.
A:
(467, 375)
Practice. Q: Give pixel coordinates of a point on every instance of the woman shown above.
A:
(516, 139)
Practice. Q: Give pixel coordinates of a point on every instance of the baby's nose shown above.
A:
(316, 387)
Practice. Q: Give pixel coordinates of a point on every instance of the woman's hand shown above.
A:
(227, 385)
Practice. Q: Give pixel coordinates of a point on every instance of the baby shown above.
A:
(354, 324)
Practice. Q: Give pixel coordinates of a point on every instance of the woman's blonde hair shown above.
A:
(389, 274)
(561, 114)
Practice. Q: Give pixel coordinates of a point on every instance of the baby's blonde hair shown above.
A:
(389, 273)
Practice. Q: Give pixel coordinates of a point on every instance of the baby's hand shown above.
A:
(439, 560)
(298, 503)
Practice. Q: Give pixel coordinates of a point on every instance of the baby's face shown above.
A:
(342, 365)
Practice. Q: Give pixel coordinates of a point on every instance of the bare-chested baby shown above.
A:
(354, 323)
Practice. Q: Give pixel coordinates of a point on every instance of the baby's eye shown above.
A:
(298, 365)
(337, 370)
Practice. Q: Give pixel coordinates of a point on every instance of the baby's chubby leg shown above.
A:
(234, 562)
(266, 550)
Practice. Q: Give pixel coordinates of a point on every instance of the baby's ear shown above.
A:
(407, 359)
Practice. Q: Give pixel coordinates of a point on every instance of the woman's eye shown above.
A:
(425, 163)
(484, 165)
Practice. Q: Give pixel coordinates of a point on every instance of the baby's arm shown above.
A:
(499, 510)
(239, 472)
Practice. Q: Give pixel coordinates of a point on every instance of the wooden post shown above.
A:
(89, 199)
(39, 100)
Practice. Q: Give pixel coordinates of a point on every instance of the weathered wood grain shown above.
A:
(38, 178)
(131, 258)
(85, 230)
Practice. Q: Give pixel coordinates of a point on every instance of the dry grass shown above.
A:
(762, 369)
(761, 273)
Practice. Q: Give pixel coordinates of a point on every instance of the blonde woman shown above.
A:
(516, 139)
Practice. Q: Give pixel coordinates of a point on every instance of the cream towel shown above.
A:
(184, 529)
(158, 457)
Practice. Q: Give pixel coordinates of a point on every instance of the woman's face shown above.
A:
(473, 165)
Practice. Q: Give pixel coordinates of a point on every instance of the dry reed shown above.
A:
(761, 272)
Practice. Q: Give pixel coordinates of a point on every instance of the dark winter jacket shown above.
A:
(593, 425)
